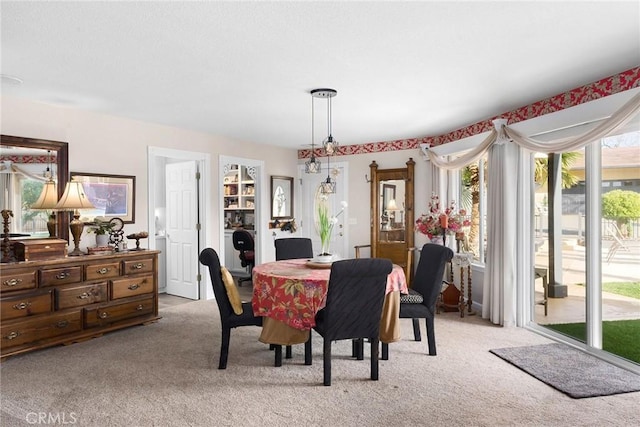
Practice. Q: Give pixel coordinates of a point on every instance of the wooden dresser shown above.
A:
(65, 300)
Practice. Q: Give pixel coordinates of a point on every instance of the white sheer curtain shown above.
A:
(501, 270)
(499, 298)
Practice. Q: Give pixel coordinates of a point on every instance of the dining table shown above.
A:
(289, 293)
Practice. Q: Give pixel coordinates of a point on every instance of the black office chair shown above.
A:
(243, 242)
(293, 248)
(228, 318)
(354, 307)
(423, 294)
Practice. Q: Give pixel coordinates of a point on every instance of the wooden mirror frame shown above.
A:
(62, 156)
(286, 183)
(399, 252)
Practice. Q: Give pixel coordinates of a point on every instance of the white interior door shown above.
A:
(182, 233)
(310, 191)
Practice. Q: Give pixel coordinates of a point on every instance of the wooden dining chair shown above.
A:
(353, 308)
(420, 303)
(228, 317)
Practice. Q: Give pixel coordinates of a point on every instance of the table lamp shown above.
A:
(47, 201)
(72, 200)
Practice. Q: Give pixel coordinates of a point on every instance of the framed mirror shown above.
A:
(281, 197)
(32, 157)
(392, 214)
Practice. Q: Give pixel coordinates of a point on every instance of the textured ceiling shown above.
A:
(244, 69)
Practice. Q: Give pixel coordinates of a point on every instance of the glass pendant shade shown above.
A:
(328, 186)
(312, 165)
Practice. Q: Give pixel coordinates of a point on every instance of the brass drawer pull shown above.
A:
(62, 275)
(22, 305)
(12, 282)
(103, 270)
(137, 266)
(84, 295)
(62, 324)
(12, 335)
(140, 307)
(134, 286)
(104, 315)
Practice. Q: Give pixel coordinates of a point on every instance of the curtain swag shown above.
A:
(619, 118)
(502, 267)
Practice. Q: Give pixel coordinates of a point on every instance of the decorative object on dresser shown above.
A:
(116, 234)
(6, 248)
(66, 300)
(101, 228)
(39, 249)
(137, 237)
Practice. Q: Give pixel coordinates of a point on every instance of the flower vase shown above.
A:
(450, 241)
(437, 240)
(325, 255)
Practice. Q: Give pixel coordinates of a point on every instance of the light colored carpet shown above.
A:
(165, 374)
(571, 371)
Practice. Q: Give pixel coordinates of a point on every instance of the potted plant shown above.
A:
(101, 229)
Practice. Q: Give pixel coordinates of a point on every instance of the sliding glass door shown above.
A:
(587, 245)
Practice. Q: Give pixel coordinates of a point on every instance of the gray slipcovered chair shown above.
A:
(420, 303)
(228, 318)
(293, 248)
(355, 298)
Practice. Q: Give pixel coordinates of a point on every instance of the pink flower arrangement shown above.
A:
(437, 222)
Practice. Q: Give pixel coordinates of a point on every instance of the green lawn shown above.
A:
(627, 289)
(619, 337)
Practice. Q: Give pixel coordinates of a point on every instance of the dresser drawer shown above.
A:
(143, 265)
(17, 280)
(131, 286)
(38, 328)
(77, 296)
(25, 305)
(105, 314)
(60, 276)
(102, 271)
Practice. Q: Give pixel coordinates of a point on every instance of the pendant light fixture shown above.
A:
(329, 144)
(312, 165)
(328, 186)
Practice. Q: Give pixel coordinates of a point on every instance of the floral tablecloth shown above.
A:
(291, 292)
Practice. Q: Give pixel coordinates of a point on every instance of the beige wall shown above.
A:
(100, 143)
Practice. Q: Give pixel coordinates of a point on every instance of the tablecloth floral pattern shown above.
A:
(293, 293)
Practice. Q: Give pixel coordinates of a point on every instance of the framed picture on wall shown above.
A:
(114, 196)
(281, 197)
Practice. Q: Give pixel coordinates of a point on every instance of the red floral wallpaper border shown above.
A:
(621, 82)
(44, 159)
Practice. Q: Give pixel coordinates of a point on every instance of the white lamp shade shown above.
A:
(48, 197)
(74, 198)
(391, 206)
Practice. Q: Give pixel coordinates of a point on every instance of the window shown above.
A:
(473, 192)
